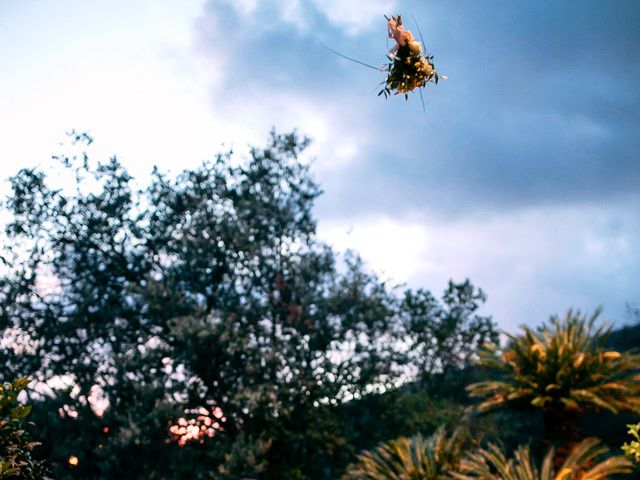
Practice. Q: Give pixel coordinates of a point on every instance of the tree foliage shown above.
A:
(445, 336)
(16, 446)
(198, 319)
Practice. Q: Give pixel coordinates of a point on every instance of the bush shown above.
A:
(16, 446)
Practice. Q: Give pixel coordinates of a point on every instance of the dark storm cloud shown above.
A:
(554, 114)
(542, 104)
(270, 53)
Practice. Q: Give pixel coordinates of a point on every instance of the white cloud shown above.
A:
(242, 118)
(532, 263)
(131, 81)
(290, 12)
(356, 16)
(389, 246)
(245, 7)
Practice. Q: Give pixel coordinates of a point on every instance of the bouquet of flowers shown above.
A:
(409, 68)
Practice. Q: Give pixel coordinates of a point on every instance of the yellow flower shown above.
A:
(415, 47)
(411, 69)
(611, 355)
(537, 348)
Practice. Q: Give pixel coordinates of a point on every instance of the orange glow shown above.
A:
(73, 460)
(105, 430)
(203, 424)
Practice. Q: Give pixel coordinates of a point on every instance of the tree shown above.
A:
(445, 336)
(197, 319)
(587, 461)
(563, 369)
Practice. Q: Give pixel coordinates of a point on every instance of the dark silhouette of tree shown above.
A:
(199, 321)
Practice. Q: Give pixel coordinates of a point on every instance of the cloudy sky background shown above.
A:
(523, 173)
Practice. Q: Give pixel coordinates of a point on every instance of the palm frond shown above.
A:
(414, 458)
(564, 366)
(586, 461)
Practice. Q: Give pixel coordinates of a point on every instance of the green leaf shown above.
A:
(20, 383)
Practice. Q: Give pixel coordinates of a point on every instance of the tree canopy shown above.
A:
(198, 319)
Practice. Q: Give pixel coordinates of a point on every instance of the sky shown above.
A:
(521, 173)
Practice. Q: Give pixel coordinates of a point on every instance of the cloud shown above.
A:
(262, 14)
(355, 16)
(541, 105)
(390, 246)
(521, 173)
(352, 18)
(114, 69)
(533, 263)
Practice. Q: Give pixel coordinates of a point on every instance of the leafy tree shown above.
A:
(626, 337)
(445, 336)
(586, 461)
(197, 320)
(16, 446)
(563, 369)
(414, 458)
(404, 411)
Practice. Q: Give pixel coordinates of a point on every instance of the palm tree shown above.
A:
(585, 462)
(564, 369)
(414, 458)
